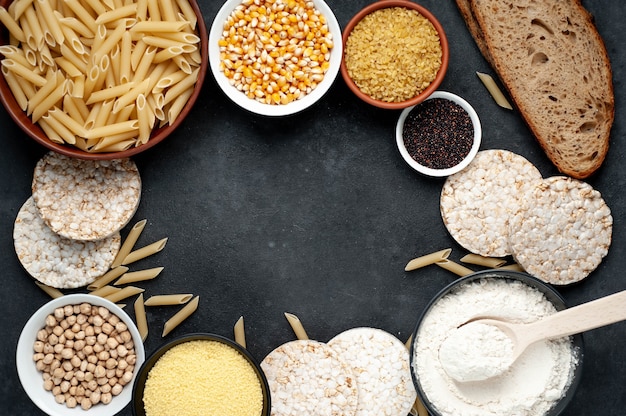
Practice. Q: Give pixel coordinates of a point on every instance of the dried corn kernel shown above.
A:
(275, 40)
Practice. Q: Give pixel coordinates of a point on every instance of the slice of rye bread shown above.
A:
(553, 62)
(472, 25)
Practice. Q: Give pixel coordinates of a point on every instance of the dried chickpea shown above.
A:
(77, 352)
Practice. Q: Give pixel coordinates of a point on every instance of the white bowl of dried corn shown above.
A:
(66, 369)
(275, 58)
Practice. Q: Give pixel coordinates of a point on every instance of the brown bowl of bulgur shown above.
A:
(201, 374)
(395, 54)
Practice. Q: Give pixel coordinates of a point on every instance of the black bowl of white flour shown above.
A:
(540, 383)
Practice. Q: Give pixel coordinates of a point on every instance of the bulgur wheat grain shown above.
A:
(393, 54)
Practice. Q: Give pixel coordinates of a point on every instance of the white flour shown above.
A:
(476, 352)
(531, 386)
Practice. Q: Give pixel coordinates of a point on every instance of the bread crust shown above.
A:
(555, 67)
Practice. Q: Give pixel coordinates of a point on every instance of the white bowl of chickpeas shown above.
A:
(79, 352)
(275, 58)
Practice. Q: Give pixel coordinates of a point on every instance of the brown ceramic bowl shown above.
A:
(158, 135)
(444, 57)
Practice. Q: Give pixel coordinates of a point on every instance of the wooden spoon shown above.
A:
(584, 317)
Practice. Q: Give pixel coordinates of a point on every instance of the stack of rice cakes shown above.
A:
(67, 233)
(558, 229)
(360, 372)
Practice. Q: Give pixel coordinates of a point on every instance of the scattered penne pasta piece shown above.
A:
(494, 90)
(123, 293)
(51, 291)
(165, 300)
(240, 333)
(454, 267)
(107, 278)
(138, 276)
(296, 325)
(140, 317)
(144, 252)
(491, 262)
(514, 266)
(180, 316)
(427, 259)
(105, 290)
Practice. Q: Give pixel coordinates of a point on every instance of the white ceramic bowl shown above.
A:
(440, 172)
(31, 378)
(274, 109)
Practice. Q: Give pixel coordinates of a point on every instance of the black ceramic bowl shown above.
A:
(140, 381)
(550, 293)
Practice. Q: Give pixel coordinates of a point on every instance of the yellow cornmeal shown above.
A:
(202, 378)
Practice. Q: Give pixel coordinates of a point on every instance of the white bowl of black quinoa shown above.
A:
(439, 136)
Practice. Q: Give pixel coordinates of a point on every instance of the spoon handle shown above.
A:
(580, 318)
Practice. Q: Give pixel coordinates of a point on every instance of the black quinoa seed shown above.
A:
(438, 133)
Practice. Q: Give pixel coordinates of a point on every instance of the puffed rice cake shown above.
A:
(562, 232)
(57, 261)
(307, 377)
(477, 202)
(380, 362)
(86, 199)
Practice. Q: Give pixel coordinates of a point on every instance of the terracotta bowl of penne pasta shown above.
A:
(95, 324)
(95, 82)
(178, 376)
(282, 60)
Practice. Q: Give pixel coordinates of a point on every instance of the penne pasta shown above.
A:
(107, 278)
(139, 276)
(16, 89)
(454, 267)
(125, 58)
(181, 87)
(296, 325)
(514, 266)
(427, 259)
(494, 90)
(52, 134)
(159, 26)
(109, 41)
(240, 332)
(51, 291)
(129, 242)
(167, 300)
(140, 317)
(24, 72)
(82, 14)
(60, 130)
(110, 93)
(11, 24)
(52, 23)
(479, 260)
(180, 316)
(112, 129)
(187, 12)
(144, 252)
(130, 96)
(123, 293)
(145, 117)
(177, 106)
(96, 6)
(116, 14)
(116, 146)
(105, 291)
(34, 28)
(72, 125)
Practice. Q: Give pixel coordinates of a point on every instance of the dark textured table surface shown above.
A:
(315, 214)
